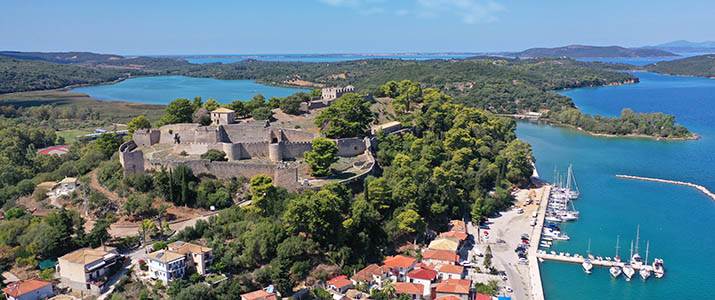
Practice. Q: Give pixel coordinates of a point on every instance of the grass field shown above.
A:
(110, 111)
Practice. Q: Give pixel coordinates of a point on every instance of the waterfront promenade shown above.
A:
(537, 289)
(699, 187)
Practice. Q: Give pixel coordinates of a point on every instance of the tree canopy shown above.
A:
(348, 116)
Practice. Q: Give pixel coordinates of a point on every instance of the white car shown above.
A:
(509, 290)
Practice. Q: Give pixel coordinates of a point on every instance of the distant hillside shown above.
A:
(61, 57)
(683, 46)
(703, 66)
(579, 51)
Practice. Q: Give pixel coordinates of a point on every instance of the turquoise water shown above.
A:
(318, 58)
(164, 89)
(677, 220)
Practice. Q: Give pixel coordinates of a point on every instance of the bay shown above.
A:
(164, 89)
(677, 220)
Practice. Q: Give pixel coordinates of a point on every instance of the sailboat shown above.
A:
(627, 268)
(658, 268)
(587, 265)
(636, 259)
(644, 271)
(616, 270)
(571, 194)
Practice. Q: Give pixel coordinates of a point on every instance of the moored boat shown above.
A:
(628, 271)
(658, 268)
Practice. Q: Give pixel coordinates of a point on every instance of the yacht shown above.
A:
(636, 259)
(644, 271)
(587, 265)
(658, 268)
(628, 271)
(571, 194)
(616, 270)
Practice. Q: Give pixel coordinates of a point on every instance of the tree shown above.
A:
(291, 105)
(99, 233)
(410, 221)
(256, 102)
(140, 122)
(317, 215)
(263, 193)
(196, 291)
(389, 288)
(178, 111)
(262, 113)
(108, 144)
(214, 155)
(211, 105)
(146, 226)
(239, 108)
(198, 103)
(316, 93)
(348, 116)
(323, 155)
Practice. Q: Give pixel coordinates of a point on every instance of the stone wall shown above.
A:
(293, 150)
(146, 137)
(351, 146)
(296, 135)
(254, 150)
(131, 159)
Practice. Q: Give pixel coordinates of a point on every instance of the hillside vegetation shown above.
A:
(703, 66)
(580, 51)
(17, 75)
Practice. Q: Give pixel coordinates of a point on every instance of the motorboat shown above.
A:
(658, 268)
(587, 266)
(615, 271)
(628, 271)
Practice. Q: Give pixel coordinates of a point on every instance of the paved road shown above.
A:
(134, 257)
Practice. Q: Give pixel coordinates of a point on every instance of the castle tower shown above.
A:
(223, 116)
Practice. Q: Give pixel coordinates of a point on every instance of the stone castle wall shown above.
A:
(351, 146)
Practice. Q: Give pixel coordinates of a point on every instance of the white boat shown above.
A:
(628, 271)
(658, 268)
(553, 218)
(587, 265)
(571, 194)
(644, 271)
(615, 270)
(636, 259)
(544, 245)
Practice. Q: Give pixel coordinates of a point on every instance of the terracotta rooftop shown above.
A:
(259, 294)
(401, 261)
(409, 288)
(443, 243)
(87, 256)
(457, 225)
(184, 248)
(454, 286)
(366, 273)
(19, 288)
(483, 297)
(165, 256)
(453, 269)
(425, 274)
(222, 110)
(342, 282)
(441, 255)
(334, 279)
(450, 297)
(455, 234)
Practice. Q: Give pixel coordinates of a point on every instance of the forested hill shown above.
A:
(61, 57)
(703, 66)
(580, 51)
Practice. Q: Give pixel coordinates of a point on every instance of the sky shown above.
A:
(345, 26)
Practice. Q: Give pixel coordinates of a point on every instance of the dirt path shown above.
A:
(94, 183)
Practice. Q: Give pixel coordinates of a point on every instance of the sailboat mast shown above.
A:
(647, 247)
(618, 238)
(568, 180)
(638, 235)
(589, 246)
(631, 248)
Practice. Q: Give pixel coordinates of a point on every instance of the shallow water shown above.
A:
(677, 220)
(164, 89)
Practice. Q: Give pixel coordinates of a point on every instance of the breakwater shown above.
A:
(699, 187)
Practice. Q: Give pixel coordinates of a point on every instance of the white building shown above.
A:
(31, 289)
(197, 256)
(84, 269)
(166, 265)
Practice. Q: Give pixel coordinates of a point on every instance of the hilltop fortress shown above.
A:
(252, 148)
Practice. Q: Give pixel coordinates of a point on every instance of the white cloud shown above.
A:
(468, 11)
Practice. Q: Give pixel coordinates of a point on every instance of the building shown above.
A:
(223, 116)
(459, 288)
(458, 225)
(331, 93)
(442, 243)
(31, 289)
(440, 257)
(166, 265)
(447, 298)
(63, 188)
(412, 290)
(197, 256)
(372, 274)
(483, 297)
(85, 269)
(340, 284)
(388, 127)
(455, 234)
(451, 272)
(400, 265)
(258, 295)
(424, 277)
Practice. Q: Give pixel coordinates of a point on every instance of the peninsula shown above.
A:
(581, 51)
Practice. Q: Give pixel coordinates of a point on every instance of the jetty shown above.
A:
(699, 187)
(537, 289)
(578, 259)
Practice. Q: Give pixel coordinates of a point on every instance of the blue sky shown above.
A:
(344, 26)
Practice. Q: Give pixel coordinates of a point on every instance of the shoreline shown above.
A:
(693, 137)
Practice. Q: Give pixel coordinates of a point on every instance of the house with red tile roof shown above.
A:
(372, 274)
(483, 297)
(400, 265)
(455, 234)
(459, 288)
(258, 295)
(440, 257)
(413, 290)
(340, 284)
(30, 289)
(425, 277)
(447, 298)
(451, 272)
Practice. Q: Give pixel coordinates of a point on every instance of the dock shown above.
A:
(578, 259)
(699, 187)
(537, 289)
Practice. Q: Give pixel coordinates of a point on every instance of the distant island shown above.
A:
(581, 51)
(701, 66)
(683, 46)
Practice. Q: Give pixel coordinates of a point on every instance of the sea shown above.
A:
(677, 221)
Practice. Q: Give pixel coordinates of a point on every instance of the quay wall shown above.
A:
(699, 187)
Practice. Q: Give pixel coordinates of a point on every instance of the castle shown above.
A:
(331, 93)
(252, 148)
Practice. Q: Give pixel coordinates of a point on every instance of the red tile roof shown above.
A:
(454, 286)
(425, 274)
(455, 234)
(483, 297)
(19, 288)
(457, 225)
(341, 283)
(409, 288)
(331, 281)
(367, 273)
(259, 294)
(450, 297)
(399, 261)
(454, 269)
(441, 255)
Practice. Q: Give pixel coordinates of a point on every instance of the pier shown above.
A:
(699, 187)
(537, 289)
(578, 259)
